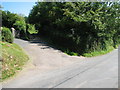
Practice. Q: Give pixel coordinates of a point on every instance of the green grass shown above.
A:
(70, 53)
(13, 58)
(97, 53)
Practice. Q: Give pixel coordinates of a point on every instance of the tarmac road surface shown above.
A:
(54, 69)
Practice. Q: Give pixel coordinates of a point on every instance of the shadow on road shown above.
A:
(40, 41)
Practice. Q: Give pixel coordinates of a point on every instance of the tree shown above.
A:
(8, 18)
(79, 26)
(20, 27)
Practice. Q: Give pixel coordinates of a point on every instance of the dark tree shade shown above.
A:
(79, 26)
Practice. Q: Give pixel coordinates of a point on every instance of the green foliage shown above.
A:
(13, 58)
(82, 27)
(7, 35)
(71, 53)
(31, 29)
(21, 26)
(8, 19)
(96, 53)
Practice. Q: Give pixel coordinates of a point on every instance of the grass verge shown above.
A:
(13, 58)
(97, 53)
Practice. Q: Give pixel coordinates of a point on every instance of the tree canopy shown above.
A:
(79, 26)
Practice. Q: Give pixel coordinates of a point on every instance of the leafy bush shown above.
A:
(21, 27)
(7, 35)
(31, 28)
